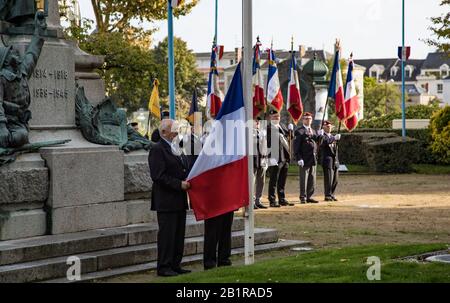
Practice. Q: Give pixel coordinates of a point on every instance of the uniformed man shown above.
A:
(330, 160)
(278, 159)
(260, 162)
(305, 150)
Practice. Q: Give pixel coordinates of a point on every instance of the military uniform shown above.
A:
(305, 148)
(15, 95)
(278, 164)
(260, 163)
(330, 165)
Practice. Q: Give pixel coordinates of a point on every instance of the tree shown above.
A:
(440, 132)
(187, 78)
(127, 17)
(380, 98)
(441, 30)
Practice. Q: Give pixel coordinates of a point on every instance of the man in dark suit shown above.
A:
(279, 158)
(169, 168)
(330, 160)
(155, 135)
(305, 150)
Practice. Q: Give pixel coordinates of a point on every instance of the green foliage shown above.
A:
(428, 169)
(130, 65)
(392, 155)
(440, 132)
(380, 98)
(418, 111)
(127, 70)
(187, 77)
(441, 30)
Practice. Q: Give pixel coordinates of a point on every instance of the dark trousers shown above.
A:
(277, 181)
(330, 180)
(172, 226)
(307, 181)
(217, 243)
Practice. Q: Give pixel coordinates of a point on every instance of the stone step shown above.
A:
(98, 275)
(53, 268)
(44, 247)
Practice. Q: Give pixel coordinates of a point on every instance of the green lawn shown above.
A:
(332, 265)
(428, 169)
(424, 169)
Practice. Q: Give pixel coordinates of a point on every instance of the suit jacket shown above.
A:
(283, 143)
(167, 171)
(329, 152)
(305, 146)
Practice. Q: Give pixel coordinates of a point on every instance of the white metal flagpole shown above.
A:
(247, 24)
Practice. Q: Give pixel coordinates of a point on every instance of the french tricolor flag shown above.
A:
(259, 100)
(219, 178)
(214, 96)
(274, 95)
(351, 103)
(336, 90)
(294, 98)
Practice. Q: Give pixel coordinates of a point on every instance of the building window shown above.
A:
(393, 71)
(440, 88)
(373, 74)
(231, 62)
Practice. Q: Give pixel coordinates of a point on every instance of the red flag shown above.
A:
(259, 100)
(294, 98)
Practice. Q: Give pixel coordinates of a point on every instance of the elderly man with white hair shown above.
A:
(169, 168)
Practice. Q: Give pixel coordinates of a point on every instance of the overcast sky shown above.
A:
(369, 28)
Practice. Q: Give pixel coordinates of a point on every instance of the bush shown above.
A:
(392, 155)
(381, 151)
(440, 133)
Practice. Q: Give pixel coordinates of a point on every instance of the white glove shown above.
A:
(337, 137)
(273, 162)
(301, 163)
(291, 126)
(320, 132)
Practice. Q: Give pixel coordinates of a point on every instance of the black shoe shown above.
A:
(312, 201)
(329, 199)
(285, 202)
(225, 263)
(255, 206)
(182, 271)
(259, 205)
(167, 273)
(274, 205)
(302, 200)
(334, 198)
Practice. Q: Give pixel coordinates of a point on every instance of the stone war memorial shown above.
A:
(60, 193)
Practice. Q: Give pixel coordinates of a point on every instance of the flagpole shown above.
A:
(171, 62)
(247, 29)
(403, 72)
(217, 20)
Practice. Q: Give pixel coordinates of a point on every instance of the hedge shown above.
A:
(381, 151)
(423, 136)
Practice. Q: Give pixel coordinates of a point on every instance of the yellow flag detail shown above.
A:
(153, 104)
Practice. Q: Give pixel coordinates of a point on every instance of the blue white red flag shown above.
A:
(294, 98)
(214, 96)
(336, 90)
(259, 100)
(218, 179)
(274, 95)
(351, 103)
